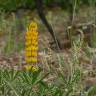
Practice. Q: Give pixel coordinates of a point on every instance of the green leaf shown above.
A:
(35, 76)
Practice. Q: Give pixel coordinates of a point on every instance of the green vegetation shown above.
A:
(27, 83)
(12, 5)
(61, 74)
(42, 83)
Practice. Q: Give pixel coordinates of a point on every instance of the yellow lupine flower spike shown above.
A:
(31, 46)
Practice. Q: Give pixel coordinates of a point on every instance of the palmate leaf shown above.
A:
(13, 74)
(29, 77)
(10, 75)
(25, 77)
(32, 78)
(36, 76)
(11, 87)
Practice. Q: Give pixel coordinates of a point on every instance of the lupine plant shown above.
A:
(31, 47)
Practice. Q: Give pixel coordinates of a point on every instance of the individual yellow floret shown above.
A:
(28, 53)
(31, 60)
(31, 48)
(33, 26)
(34, 48)
(35, 69)
(31, 68)
(28, 33)
(31, 37)
(34, 54)
(28, 37)
(28, 60)
(28, 48)
(34, 33)
(28, 67)
(34, 59)
(34, 42)
(28, 42)
(31, 33)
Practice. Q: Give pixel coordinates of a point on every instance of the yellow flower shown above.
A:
(32, 26)
(35, 69)
(31, 37)
(28, 33)
(31, 60)
(34, 54)
(34, 48)
(34, 33)
(34, 38)
(31, 68)
(31, 33)
(28, 60)
(34, 42)
(28, 42)
(28, 48)
(28, 67)
(31, 48)
(28, 38)
(31, 43)
(34, 60)
(28, 53)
